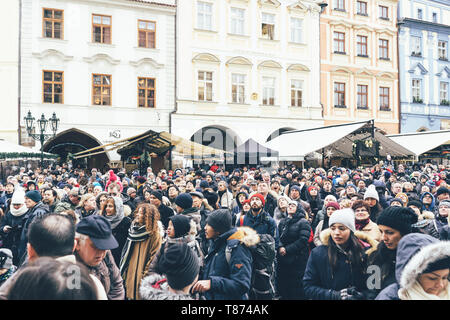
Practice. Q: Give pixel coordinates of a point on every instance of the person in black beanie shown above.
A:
(183, 204)
(226, 278)
(394, 223)
(165, 212)
(181, 269)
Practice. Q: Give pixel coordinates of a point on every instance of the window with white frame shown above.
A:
(205, 84)
(339, 5)
(204, 15)
(435, 17)
(383, 12)
(361, 8)
(296, 30)
(237, 21)
(296, 93)
(339, 95)
(238, 88)
(268, 84)
(419, 14)
(416, 46)
(383, 46)
(362, 94)
(443, 93)
(268, 26)
(339, 42)
(361, 46)
(442, 50)
(416, 88)
(384, 99)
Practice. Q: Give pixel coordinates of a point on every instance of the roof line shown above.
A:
(417, 133)
(327, 127)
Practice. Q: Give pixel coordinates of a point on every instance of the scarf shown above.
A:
(416, 292)
(136, 233)
(18, 212)
(7, 274)
(115, 219)
(360, 224)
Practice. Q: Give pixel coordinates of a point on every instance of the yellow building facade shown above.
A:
(359, 62)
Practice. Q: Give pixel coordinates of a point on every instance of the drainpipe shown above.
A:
(399, 24)
(175, 87)
(322, 5)
(19, 71)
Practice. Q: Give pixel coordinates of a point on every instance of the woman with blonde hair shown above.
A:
(87, 206)
(143, 242)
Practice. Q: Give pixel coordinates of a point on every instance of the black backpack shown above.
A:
(262, 283)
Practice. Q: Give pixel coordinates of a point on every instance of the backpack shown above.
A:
(262, 285)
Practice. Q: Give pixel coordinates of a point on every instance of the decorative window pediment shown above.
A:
(364, 72)
(420, 67)
(52, 52)
(206, 57)
(241, 61)
(342, 70)
(385, 75)
(443, 72)
(149, 61)
(273, 3)
(102, 56)
(298, 6)
(298, 67)
(270, 64)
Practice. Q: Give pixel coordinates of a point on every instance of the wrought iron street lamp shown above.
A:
(42, 123)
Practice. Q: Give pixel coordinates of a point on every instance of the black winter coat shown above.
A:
(38, 210)
(11, 239)
(120, 232)
(164, 215)
(294, 235)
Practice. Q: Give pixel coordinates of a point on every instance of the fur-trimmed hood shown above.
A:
(326, 234)
(415, 253)
(150, 289)
(245, 235)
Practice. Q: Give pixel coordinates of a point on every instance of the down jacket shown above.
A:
(415, 252)
(230, 281)
(319, 282)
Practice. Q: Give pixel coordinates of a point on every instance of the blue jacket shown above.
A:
(229, 281)
(319, 282)
(408, 246)
(433, 202)
(262, 224)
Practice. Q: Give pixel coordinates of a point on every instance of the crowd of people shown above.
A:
(288, 233)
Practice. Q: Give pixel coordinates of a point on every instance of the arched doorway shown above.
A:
(278, 132)
(217, 137)
(73, 141)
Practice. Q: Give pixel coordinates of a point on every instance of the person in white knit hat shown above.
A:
(336, 270)
(13, 221)
(372, 198)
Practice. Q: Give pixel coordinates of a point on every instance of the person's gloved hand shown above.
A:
(348, 294)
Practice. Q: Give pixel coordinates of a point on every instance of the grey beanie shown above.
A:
(345, 217)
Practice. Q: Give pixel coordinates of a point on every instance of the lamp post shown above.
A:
(42, 123)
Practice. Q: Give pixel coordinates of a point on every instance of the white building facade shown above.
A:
(105, 67)
(246, 69)
(9, 70)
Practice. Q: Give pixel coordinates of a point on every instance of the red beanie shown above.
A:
(260, 196)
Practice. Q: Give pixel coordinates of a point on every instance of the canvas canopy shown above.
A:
(10, 150)
(336, 140)
(421, 142)
(154, 142)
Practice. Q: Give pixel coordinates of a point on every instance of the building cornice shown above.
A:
(423, 25)
(52, 52)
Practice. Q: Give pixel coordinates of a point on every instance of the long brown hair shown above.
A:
(103, 208)
(354, 251)
(151, 216)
